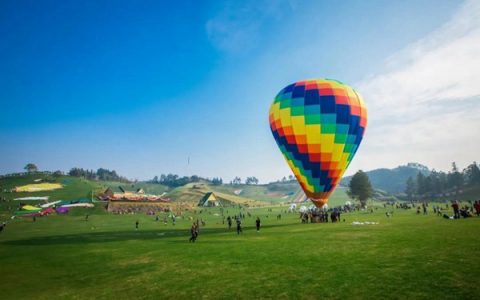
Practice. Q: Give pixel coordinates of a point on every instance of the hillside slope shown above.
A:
(391, 180)
(192, 193)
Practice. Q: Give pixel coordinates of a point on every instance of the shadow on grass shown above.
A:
(116, 236)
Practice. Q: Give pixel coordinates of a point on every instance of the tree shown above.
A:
(410, 188)
(57, 173)
(439, 182)
(472, 174)
(421, 188)
(31, 168)
(217, 181)
(360, 187)
(100, 174)
(455, 178)
(237, 180)
(251, 180)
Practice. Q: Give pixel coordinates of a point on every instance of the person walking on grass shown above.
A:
(86, 217)
(257, 224)
(229, 221)
(136, 225)
(239, 226)
(194, 232)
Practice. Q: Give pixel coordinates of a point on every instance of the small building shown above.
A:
(209, 200)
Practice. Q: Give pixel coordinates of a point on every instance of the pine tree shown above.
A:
(410, 189)
(360, 187)
(421, 184)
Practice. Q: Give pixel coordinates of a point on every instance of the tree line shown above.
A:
(174, 180)
(249, 180)
(438, 184)
(100, 174)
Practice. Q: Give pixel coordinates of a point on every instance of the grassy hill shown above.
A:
(192, 193)
(279, 192)
(73, 188)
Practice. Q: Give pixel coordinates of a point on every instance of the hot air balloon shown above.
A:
(318, 125)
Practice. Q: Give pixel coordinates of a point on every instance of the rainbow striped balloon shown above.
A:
(318, 125)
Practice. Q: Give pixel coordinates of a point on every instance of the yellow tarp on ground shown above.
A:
(37, 187)
(30, 207)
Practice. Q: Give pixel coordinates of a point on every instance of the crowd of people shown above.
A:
(464, 211)
(137, 208)
(458, 210)
(320, 216)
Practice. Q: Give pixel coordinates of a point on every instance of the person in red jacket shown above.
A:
(456, 210)
(476, 205)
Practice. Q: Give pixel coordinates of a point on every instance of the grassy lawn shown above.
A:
(405, 257)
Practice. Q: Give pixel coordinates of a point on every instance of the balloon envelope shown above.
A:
(318, 125)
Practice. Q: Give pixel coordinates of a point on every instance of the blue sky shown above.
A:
(140, 87)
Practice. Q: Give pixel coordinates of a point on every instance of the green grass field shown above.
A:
(408, 256)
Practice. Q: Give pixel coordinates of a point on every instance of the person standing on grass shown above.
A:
(456, 212)
(136, 225)
(424, 206)
(194, 232)
(476, 205)
(257, 224)
(86, 217)
(229, 221)
(239, 226)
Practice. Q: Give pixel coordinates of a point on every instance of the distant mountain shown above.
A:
(392, 180)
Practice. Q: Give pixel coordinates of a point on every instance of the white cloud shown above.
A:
(425, 106)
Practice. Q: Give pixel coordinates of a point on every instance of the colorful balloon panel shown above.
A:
(318, 125)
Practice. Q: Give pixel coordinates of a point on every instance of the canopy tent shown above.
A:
(209, 200)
